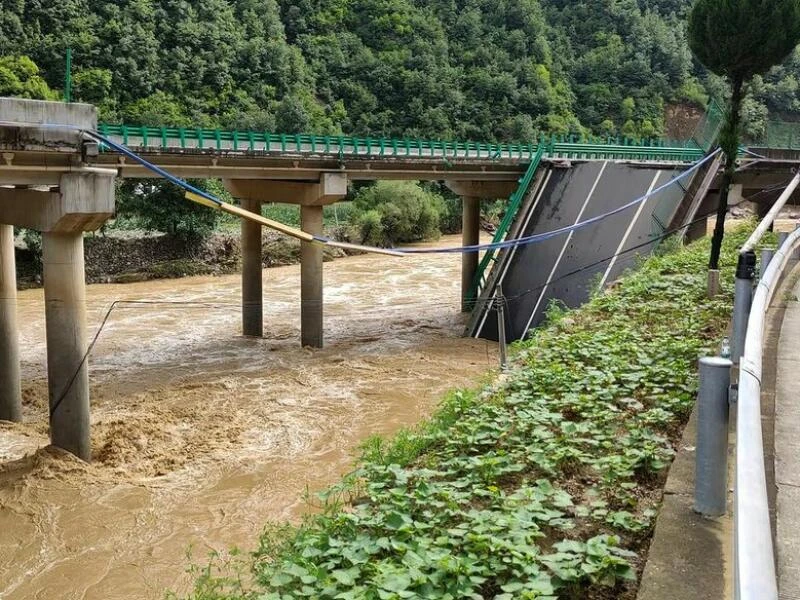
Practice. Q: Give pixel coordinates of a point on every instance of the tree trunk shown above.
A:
(730, 145)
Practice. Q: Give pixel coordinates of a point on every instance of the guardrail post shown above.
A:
(766, 258)
(711, 458)
(500, 304)
(796, 253)
(745, 273)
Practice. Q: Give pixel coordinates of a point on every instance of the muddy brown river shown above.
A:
(200, 436)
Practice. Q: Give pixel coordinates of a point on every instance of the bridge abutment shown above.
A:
(10, 392)
(62, 203)
(252, 268)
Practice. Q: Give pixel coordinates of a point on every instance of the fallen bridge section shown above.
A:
(569, 267)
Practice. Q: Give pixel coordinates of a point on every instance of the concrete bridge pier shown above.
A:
(10, 393)
(472, 192)
(471, 235)
(65, 317)
(312, 196)
(83, 200)
(252, 268)
(311, 280)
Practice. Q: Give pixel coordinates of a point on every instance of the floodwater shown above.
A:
(201, 436)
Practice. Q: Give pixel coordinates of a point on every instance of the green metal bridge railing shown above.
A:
(183, 139)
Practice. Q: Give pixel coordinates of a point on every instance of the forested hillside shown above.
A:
(485, 69)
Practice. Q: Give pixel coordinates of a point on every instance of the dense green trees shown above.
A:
(480, 69)
(20, 77)
(392, 212)
(508, 70)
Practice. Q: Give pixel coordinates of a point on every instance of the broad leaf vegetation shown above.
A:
(542, 485)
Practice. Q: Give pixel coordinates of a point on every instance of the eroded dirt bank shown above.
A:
(201, 436)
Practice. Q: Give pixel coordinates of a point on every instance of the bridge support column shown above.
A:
(471, 223)
(252, 268)
(65, 316)
(311, 266)
(472, 192)
(10, 394)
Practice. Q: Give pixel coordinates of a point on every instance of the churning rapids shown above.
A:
(201, 436)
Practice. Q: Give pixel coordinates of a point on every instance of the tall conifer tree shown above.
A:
(738, 39)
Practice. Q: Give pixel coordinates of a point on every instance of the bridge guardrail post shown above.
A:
(711, 457)
(766, 257)
(743, 298)
(796, 253)
(500, 303)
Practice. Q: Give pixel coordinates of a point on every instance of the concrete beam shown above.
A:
(82, 202)
(229, 165)
(63, 122)
(484, 189)
(252, 268)
(10, 393)
(311, 272)
(471, 223)
(65, 318)
(330, 188)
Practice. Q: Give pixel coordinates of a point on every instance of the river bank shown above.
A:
(200, 436)
(543, 483)
(131, 256)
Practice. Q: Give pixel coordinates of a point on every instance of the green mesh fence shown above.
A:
(707, 131)
(779, 135)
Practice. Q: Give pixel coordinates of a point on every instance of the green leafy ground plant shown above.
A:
(542, 485)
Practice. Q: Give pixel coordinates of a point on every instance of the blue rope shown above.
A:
(124, 150)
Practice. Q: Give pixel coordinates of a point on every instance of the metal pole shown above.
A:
(500, 302)
(766, 258)
(782, 236)
(759, 232)
(68, 77)
(711, 459)
(745, 273)
(796, 253)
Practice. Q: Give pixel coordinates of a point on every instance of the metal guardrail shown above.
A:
(754, 560)
(178, 139)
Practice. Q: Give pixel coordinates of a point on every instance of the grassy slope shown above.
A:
(542, 485)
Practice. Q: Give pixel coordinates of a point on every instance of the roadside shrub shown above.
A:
(392, 212)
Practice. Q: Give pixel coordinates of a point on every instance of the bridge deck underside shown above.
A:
(568, 267)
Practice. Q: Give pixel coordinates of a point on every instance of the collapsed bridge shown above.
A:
(56, 178)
